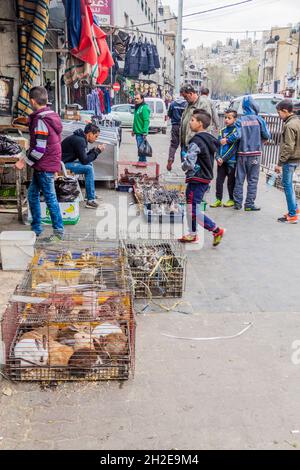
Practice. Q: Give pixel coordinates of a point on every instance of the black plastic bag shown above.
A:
(145, 149)
(66, 189)
(9, 146)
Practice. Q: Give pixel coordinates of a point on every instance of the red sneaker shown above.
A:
(190, 238)
(218, 236)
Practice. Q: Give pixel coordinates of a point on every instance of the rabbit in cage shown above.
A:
(32, 352)
(59, 354)
(51, 332)
(115, 344)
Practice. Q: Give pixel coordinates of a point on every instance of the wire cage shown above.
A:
(131, 172)
(78, 263)
(158, 268)
(63, 337)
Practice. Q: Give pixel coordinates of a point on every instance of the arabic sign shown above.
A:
(102, 9)
(6, 95)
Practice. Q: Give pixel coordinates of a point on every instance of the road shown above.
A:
(239, 393)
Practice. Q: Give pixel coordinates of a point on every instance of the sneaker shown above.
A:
(252, 209)
(99, 198)
(216, 204)
(92, 205)
(288, 219)
(237, 207)
(297, 213)
(218, 237)
(190, 238)
(54, 238)
(229, 203)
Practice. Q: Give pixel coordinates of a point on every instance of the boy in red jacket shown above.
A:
(44, 156)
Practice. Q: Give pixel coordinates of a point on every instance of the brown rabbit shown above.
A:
(116, 344)
(59, 355)
(50, 332)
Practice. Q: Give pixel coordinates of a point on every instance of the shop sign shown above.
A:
(102, 9)
(6, 95)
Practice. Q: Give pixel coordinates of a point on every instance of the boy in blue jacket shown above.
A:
(252, 132)
(226, 159)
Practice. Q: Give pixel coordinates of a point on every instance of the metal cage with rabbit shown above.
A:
(158, 268)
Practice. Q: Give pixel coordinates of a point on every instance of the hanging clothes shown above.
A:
(93, 103)
(156, 57)
(102, 102)
(92, 47)
(141, 57)
(32, 37)
(107, 102)
(73, 15)
(150, 57)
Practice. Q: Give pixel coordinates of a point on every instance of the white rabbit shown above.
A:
(32, 352)
(105, 329)
(83, 340)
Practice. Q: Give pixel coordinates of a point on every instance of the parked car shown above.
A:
(158, 118)
(267, 103)
(159, 115)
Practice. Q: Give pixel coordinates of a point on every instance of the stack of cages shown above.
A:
(129, 173)
(158, 268)
(72, 317)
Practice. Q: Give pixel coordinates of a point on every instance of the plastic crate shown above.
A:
(171, 218)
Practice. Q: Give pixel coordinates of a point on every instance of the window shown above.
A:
(123, 109)
(159, 107)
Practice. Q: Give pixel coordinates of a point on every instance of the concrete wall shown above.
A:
(9, 58)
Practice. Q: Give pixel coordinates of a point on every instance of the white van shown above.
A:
(159, 115)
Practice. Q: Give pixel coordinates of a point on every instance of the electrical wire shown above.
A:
(197, 13)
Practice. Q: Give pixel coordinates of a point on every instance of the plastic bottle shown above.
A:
(272, 179)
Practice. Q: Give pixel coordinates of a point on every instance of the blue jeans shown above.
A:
(288, 171)
(88, 171)
(194, 196)
(139, 140)
(43, 181)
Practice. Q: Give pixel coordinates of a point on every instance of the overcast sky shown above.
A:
(256, 15)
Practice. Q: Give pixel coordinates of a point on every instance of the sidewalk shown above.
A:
(237, 393)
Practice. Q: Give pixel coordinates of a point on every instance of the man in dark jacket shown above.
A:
(175, 113)
(79, 160)
(289, 158)
(252, 131)
(44, 156)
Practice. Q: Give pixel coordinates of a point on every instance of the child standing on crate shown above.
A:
(226, 159)
(44, 156)
(198, 165)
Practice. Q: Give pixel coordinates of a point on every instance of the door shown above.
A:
(51, 85)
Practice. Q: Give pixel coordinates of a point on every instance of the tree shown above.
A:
(247, 80)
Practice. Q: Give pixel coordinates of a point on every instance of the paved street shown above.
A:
(237, 393)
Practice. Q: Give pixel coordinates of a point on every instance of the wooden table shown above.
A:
(18, 200)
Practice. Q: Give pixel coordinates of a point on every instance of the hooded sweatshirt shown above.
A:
(141, 121)
(45, 128)
(176, 110)
(198, 163)
(252, 129)
(75, 147)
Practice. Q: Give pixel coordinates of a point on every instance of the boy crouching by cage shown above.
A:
(198, 163)
(226, 159)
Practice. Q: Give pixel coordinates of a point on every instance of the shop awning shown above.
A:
(31, 46)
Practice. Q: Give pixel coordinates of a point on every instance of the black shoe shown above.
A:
(252, 209)
(92, 205)
(237, 207)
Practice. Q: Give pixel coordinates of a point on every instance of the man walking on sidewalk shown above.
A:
(210, 104)
(251, 131)
(289, 158)
(175, 112)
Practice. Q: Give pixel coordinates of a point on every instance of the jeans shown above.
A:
(42, 181)
(225, 171)
(88, 171)
(194, 196)
(139, 140)
(175, 141)
(247, 167)
(288, 171)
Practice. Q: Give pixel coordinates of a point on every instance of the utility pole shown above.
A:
(178, 48)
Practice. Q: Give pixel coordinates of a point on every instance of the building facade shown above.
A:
(279, 70)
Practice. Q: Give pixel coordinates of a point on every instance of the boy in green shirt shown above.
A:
(141, 122)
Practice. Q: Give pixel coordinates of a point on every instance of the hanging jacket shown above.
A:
(144, 63)
(198, 162)
(45, 128)
(75, 147)
(73, 15)
(141, 121)
(132, 61)
(228, 152)
(156, 57)
(252, 129)
(176, 110)
(150, 56)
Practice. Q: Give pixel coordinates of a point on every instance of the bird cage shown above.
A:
(86, 336)
(158, 268)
